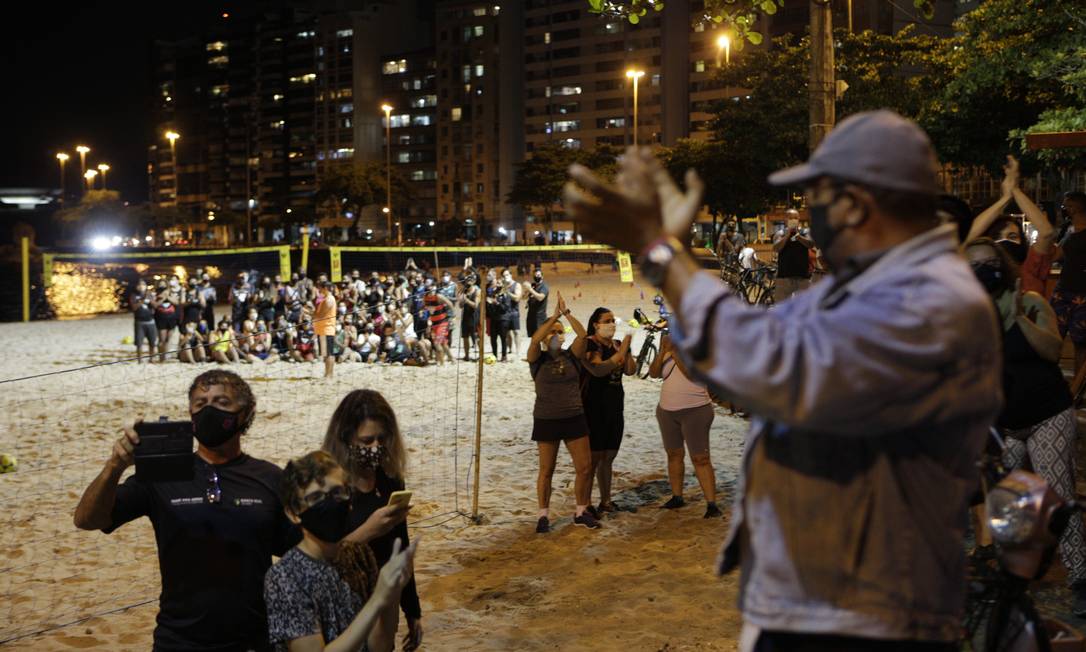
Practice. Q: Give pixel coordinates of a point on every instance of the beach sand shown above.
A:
(643, 582)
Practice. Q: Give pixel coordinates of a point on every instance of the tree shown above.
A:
(539, 178)
(99, 212)
(350, 188)
(1017, 66)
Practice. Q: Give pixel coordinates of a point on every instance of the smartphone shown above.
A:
(400, 498)
(164, 453)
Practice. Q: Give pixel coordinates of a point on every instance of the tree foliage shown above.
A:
(540, 177)
(350, 188)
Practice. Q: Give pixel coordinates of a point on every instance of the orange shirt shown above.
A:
(324, 319)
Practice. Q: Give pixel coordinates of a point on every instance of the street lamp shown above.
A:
(724, 44)
(89, 176)
(387, 108)
(635, 75)
(62, 158)
(103, 168)
(172, 136)
(82, 149)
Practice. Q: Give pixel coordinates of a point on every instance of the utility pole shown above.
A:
(821, 89)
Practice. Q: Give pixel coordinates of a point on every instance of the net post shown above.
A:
(480, 320)
(305, 251)
(25, 246)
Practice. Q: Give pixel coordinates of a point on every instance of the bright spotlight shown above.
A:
(100, 243)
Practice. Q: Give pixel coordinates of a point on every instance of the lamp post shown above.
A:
(82, 149)
(172, 136)
(635, 75)
(103, 168)
(89, 177)
(387, 108)
(724, 44)
(62, 158)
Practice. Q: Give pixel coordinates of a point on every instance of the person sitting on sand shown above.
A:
(305, 345)
(216, 533)
(191, 347)
(559, 413)
(221, 340)
(364, 438)
(685, 414)
(326, 593)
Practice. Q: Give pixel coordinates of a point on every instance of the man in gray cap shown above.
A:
(873, 391)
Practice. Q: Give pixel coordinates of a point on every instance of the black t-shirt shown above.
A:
(539, 308)
(212, 557)
(363, 505)
(1073, 272)
(793, 261)
(141, 307)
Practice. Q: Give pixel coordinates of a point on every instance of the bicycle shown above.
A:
(754, 285)
(649, 350)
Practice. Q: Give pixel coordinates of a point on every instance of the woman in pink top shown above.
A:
(324, 326)
(685, 414)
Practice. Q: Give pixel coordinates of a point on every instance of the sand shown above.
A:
(643, 582)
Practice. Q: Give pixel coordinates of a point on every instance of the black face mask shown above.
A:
(990, 276)
(214, 427)
(328, 520)
(1017, 250)
(367, 457)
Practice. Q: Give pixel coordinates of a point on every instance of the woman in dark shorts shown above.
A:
(167, 313)
(559, 414)
(605, 362)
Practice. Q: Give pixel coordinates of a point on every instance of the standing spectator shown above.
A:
(143, 312)
(537, 293)
(210, 296)
(468, 299)
(1035, 259)
(439, 307)
(1037, 419)
(874, 391)
(606, 361)
(167, 313)
(325, 593)
(265, 300)
(730, 243)
(306, 290)
(793, 263)
(193, 301)
(364, 438)
(685, 414)
(324, 326)
(512, 314)
(1069, 299)
(216, 534)
(558, 415)
(240, 300)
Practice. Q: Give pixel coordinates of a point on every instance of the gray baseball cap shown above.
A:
(875, 148)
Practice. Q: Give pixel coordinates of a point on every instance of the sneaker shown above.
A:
(604, 508)
(587, 520)
(1078, 604)
(543, 525)
(593, 511)
(675, 503)
(712, 511)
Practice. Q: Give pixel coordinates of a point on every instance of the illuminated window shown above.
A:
(699, 27)
(456, 113)
(479, 11)
(423, 175)
(306, 34)
(699, 65)
(567, 125)
(346, 108)
(424, 101)
(277, 98)
(567, 90)
(343, 152)
(221, 89)
(278, 124)
(478, 70)
(421, 121)
(394, 67)
(220, 60)
(216, 46)
(610, 123)
(478, 30)
(304, 79)
(466, 72)
(547, 37)
(345, 33)
(401, 120)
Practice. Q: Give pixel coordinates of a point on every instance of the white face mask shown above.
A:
(605, 330)
(554, 343)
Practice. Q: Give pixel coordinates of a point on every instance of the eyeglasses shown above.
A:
(339, 493)
(214, 491)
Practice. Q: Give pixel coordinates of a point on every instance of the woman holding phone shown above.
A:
(364, 438)
(559, 413)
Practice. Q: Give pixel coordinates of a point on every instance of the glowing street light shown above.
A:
(82, 149)
(62, 158)
(724, 44)
(89, 176)
(387, 108)
(635, 75)
(172, 136)
(103, 168)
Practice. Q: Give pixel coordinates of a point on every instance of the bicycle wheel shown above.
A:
(646, 362)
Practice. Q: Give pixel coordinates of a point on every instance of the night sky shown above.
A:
(79, 73)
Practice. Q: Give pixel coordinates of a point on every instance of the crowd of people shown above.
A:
(412, 317)
(873, 394)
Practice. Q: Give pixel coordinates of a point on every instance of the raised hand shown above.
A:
(1011, 176)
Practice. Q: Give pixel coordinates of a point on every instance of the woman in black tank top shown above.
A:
(1038, 419)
